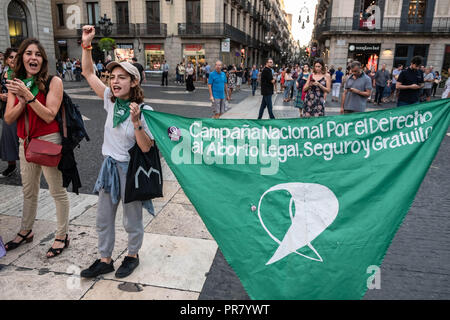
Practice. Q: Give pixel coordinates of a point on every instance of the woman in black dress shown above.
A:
(316, 87)
(9, 142)
(190, 71)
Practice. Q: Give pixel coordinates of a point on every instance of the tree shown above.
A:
(106, 45)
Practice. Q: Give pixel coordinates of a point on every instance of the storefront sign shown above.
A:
(226, 45)
(193, 50)
(364, 47)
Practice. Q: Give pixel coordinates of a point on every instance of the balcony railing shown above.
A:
(126, 30)
(151, 29)
(117, 30)
(387, 25)
(213, 30)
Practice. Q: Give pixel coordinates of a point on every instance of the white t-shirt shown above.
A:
(117, 141)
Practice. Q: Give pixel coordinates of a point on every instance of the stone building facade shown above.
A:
(20, 19)
(198, 31)
(379, 32)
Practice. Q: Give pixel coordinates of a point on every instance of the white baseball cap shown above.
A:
(128, 67)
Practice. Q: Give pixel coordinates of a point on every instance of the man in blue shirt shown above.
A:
(217, 85)
(254, 76)
(337, 82)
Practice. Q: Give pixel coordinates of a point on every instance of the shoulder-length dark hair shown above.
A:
(7, 54)
(319, 61)
(136, 92)
(20, 71)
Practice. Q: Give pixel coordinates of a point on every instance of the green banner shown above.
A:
(304, 208)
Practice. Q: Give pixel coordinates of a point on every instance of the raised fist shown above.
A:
(88, 35)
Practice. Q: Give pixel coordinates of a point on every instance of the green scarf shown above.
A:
(10, 72)
(31, 84)
(121, 111)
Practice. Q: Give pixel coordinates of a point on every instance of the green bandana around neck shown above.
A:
(121, 111)
(10, 72)
(31, 84)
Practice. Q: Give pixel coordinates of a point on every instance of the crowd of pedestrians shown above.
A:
(307, 87)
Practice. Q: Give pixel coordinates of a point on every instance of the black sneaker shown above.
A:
(97, 268)
(127, 267)
(8, 172)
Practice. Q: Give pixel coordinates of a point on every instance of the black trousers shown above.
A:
(164, 76)
(266, 102)
(379, 94)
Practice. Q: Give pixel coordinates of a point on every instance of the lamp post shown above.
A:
(105, 25)
(106, 29)
(302, 9)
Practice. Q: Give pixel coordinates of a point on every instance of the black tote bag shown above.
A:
(144, 176)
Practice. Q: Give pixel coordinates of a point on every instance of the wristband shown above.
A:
(32, 100)
(89, 47)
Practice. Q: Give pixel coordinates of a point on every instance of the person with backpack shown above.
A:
(35, 110)
(123, 129)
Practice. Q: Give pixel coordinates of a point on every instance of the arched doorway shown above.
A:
(17, 20)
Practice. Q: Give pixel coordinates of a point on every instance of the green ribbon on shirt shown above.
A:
(30, 83)
(121, 111)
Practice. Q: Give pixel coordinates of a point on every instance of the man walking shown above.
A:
(428, 83)
(337, 82)
(395, 73)
(254, 77)
(207, 71)
(100, 68)
(267, 82)
(410, 82)
(165, 73)
(217, 86)
(69, 67)
(358, 88)
(181, 71)
(381, 78)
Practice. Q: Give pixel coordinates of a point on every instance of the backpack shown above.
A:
(76, 130)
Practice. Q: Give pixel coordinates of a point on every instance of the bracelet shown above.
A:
(89, 47)
(32, 100)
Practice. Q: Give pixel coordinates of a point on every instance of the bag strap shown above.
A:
(27, 129)
(62, 107)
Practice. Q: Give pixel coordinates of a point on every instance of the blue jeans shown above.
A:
(254, 85)
(287, 90)
(266, 102)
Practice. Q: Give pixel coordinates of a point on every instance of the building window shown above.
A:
(193, 11)
(238, 20)
(60, 8)
(393, 8)
(369, 15)
(244, 24)
(17, 21)
(153, 16)
(405, 52)
(122, 13)
(93, 13)
(225, 13)
(232, 17)
(122, 18)
(416, 11)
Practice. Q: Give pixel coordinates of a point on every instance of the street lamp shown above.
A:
(304, 8)
(269, 39)
(105, 25)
